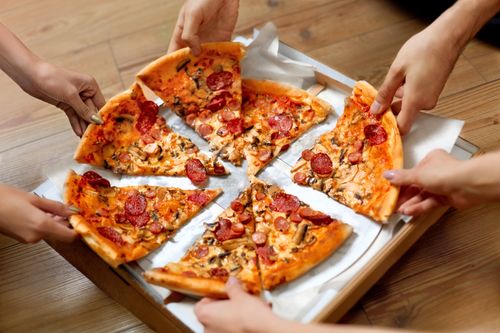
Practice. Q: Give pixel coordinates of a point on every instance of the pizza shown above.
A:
(122, 224)
(274, 116)
(348, 162)
(204, 90)
(224, 249)
(265, 238)
(135, 140)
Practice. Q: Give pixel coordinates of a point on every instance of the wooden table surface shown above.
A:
(449, 280)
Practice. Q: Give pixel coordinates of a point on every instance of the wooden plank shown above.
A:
(485, 58)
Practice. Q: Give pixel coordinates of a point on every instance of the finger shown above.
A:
(392, 82)
(176, 40)
(402, 177)
(409, 109)
(52, 229)
(74, 121)
(98, 98)
(400, 92)
(412, 201)
(206, 300)
(422, 207)
(83, 125)
(234, 288)
(82, 109)
(396, 105)
(52, 206)
(406, 193)
(190, 31)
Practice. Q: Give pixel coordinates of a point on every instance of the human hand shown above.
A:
(435, 181)
(78, 95)
(240, 313)
(417, 76)
(29, 218)
(202, 21)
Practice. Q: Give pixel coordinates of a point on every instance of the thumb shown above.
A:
(401, 177)
(86, 111)
(54, 207)
(190, 32)
(234, 288)
(387, 90)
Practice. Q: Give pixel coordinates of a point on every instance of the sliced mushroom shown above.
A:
(300, 233)
(232, 244)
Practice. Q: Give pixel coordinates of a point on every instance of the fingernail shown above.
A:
(390, 174)
(232, 281)
(375, 108)
(96, 119)
(74, 209)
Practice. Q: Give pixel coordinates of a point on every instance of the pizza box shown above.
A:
(325, 293)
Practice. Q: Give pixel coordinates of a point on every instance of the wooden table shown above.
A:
(449, 280)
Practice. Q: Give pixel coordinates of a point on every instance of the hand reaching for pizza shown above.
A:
(202, 21)
(28, 218)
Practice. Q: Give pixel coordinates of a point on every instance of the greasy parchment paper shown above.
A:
(306, 296)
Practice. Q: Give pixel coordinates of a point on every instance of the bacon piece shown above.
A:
(259, 196)
(295, 217)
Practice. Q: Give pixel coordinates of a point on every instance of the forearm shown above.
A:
(295, 327)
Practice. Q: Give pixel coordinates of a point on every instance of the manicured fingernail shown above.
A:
(96, 119)
(232, 281)
(375, 108)
(390, 174)
(74, 209)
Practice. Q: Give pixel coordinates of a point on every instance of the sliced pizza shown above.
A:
(290, 237)
(274, 116)
(225, 249)
(348, 162)
(122, 224)
(204, 90)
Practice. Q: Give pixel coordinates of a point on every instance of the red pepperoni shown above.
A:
(190, 118)
(147, 117)
(201, 251)
(234, 104)
(139, 220)
(259, 196)
(314, 216)
(264, 155)
(307, 154)
(224, 230)
(205, 129)
(95, 180)
(156, 228)
(235, 126)
(219, 169)
(285, 203)
(279, 135)
(111, 234)
(205, 115)
(189, 273)
(355, 157)
(192, 109)
(281, 122)
(219, 80)
(150, 194)
(321, 164)
(120, 218)
(238, 228)
(222, 131)
(281, 224)
(245, 217)
(227, 115)
(217, 103)
(358, 146)
(300, 178)
(285, 147)
(259, 238)
(375, 134)
(266, 254)
(237, 206)
(196, 172)
(295, 217)
(219, 272)
(135, 204)
(200, 198)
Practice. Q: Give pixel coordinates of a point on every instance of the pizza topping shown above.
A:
(237, 206)
(265, 155)
(205, 130)
(235, 126)
(135, 204)
(259, 196)
(124, 157)
(190, 118)
(219, 80)
(279, 135)
(266, 254)
(156, 228)
(259, 238)
(189, 273)
(222, 131)
(201, 251)
(217, 103)
(151, 149)
(150, 194)
(285, 203)
(321, 164)
(375, 134)
(282, 123)
(224, 230)
(300, 233)
(281, 224)
(227, 115)
(295, 217)
(245, 217)
(200, 198)
(147, 117)
(196, 172)
(139, 220)
(354, 158)
(285, 148)
(111, 234)
(182, 64)
(238, 228)
(307, 154)
(95, 180)
(314, 216)
(300, 178)
(219, 272)
(219, 169)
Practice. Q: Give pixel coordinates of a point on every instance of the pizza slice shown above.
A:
(225, 249)
(290, 237)
(122, 224)
(348, 162)
(204, 90)
(135, 140)
(275, 115)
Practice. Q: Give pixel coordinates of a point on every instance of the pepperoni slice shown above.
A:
(124, 157)
(354, 158)
(227, 115)
(281, 122)
(205, 129)
(314, 216)
(219, 80)
(235, 126)
(259, 238)
(264, 155)
(279, 135)
(219, 169)
(266, 254)
(219, 272)
(147, 117)
(196, 172)
(259, 196)
(245, 217)
(300, 178)
(358, 145)
(150, 194)
(238, 228)
(95, 180)
(190, 118)
(200, 198)
(307, 154)
(139, 220)
(205, 115)
(147, 139)
(135, 204)
(222, 131)
(201, 251)
(285, 203)
(281, 224)
(321, 164)
(217, 103)
(225, 230)
(156, 228)
(237, 206)
(375, 134)
(111, 234)
(295, 217)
